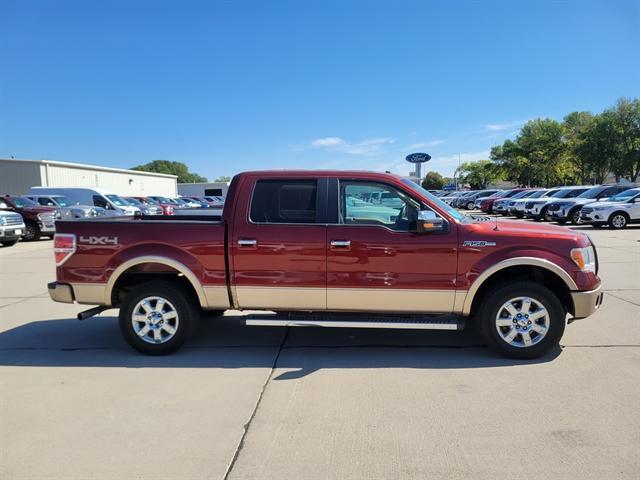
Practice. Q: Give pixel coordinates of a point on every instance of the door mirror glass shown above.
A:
(429, 222)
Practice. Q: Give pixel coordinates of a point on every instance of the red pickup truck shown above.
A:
(330, 248)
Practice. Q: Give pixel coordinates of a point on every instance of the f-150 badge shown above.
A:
(478, 243)
(99, 240)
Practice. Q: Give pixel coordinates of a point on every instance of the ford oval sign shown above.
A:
(418, 157)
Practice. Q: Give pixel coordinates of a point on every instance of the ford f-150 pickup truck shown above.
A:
(313, 249)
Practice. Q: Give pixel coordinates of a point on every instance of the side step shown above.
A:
(440, 322)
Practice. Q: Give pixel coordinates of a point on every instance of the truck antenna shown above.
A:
(496, 227)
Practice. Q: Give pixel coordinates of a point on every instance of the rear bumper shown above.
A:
(586, 303)
(60, 292)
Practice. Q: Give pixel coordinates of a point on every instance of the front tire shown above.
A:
(470, 205)
(522, 320)
(32, 231)
(575, 217)
(158, 317)
(618, 221)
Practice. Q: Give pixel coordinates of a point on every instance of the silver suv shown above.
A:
(12, 227)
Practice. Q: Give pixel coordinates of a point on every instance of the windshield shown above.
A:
(626, 195)
(24, 202)
(523, 194)
(592, 192)
(162, 199)
(433, 199)
(62, 201)
(133, 201)
(567, 192)
(538, 194)
(119, 201)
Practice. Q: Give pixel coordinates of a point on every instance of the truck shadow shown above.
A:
(225, 342)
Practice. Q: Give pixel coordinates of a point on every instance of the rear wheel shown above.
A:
(470, 205)
(522, 320)
(158, 317)
(618, 221)
(575, 217)
(32, 231)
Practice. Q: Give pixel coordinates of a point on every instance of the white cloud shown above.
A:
(369, 146)
(494, 127)
(430, 143)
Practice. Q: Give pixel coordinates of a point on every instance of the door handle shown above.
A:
(340, 243)
(247, 242)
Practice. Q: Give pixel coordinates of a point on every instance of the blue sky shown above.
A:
(226, 87)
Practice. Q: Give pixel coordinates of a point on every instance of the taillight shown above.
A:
(64, 245)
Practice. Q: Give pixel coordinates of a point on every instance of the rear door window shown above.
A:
(284, 201)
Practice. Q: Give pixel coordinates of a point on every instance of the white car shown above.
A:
(517, 207)
(538, 208)
(619, 211)
(97, 197)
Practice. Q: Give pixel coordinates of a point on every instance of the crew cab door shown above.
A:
(278, 245)
(376, 260)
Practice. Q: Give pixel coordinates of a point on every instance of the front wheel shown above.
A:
(575, 217)
(470, 205)
(32, 231)
(522, 320)
(618, 221)
(158, 317)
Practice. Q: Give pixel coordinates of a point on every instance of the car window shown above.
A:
(98, 201)
(24, 202)
(626, 195)
(576, 192)
(372, 203)
(284, 201)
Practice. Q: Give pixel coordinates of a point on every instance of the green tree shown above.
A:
(172, 168)
(433, 181)
(623, 126)
(478, 174)
(223, 178)
(575, 128)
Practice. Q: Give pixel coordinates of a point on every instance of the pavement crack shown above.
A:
(623, 299)
(247, 425)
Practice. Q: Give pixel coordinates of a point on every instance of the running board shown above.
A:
(351, 321)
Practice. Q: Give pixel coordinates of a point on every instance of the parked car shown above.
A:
(12, 226)
(470, 200)
(538, 209)
(145, 208)
(563, 211)
(481, 200)
(68, 209)
(39, 221)
(167, 208)
(502, 205)
(461, 200)
(619, 211)
(517, 207)
(486, 205)
(282, 247)
(97, 197)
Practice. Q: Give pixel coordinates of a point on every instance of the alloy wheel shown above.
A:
(522, 322)
(155, 320)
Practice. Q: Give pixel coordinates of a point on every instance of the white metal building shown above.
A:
(18, 176)
(216, 189)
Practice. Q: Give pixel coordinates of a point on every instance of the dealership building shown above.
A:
(18, 176)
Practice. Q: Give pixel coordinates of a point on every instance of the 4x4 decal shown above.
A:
(99, 240)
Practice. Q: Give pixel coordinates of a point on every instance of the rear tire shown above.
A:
(521, 320)
(158, 317)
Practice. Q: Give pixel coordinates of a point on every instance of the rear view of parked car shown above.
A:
(145, 209)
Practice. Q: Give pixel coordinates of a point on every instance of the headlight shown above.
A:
(600, 209)
(3, 221)
(584, 258)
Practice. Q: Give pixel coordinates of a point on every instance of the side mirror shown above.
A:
(429, 222)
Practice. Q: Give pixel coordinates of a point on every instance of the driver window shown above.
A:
(366, 203)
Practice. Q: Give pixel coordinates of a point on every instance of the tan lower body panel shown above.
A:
(217, 297)
(90, 293)
(281, 298)
(390, 300)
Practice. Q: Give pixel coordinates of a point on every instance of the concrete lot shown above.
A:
(254, 403)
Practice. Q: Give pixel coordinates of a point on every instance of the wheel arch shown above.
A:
(136, 265)
(536, 269)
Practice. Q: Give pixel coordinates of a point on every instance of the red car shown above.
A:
(313, 248)
(39, 220)
(167, 208)
(486, 205)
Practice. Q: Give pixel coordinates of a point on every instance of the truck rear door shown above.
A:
(278, 244)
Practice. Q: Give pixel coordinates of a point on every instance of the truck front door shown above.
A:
(377, 262)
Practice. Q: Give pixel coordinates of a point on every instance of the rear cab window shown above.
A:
(284, 201)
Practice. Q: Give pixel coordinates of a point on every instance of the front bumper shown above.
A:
(11, 232)
(60, 292)
(586, 303)
(558, 215)
(47, 227)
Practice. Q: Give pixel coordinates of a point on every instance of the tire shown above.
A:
(574, 216)
(153, 335)
(618, 221)
(470, 205)
(9, 243)
(544, 336)
(32, 231)
(544, 215)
